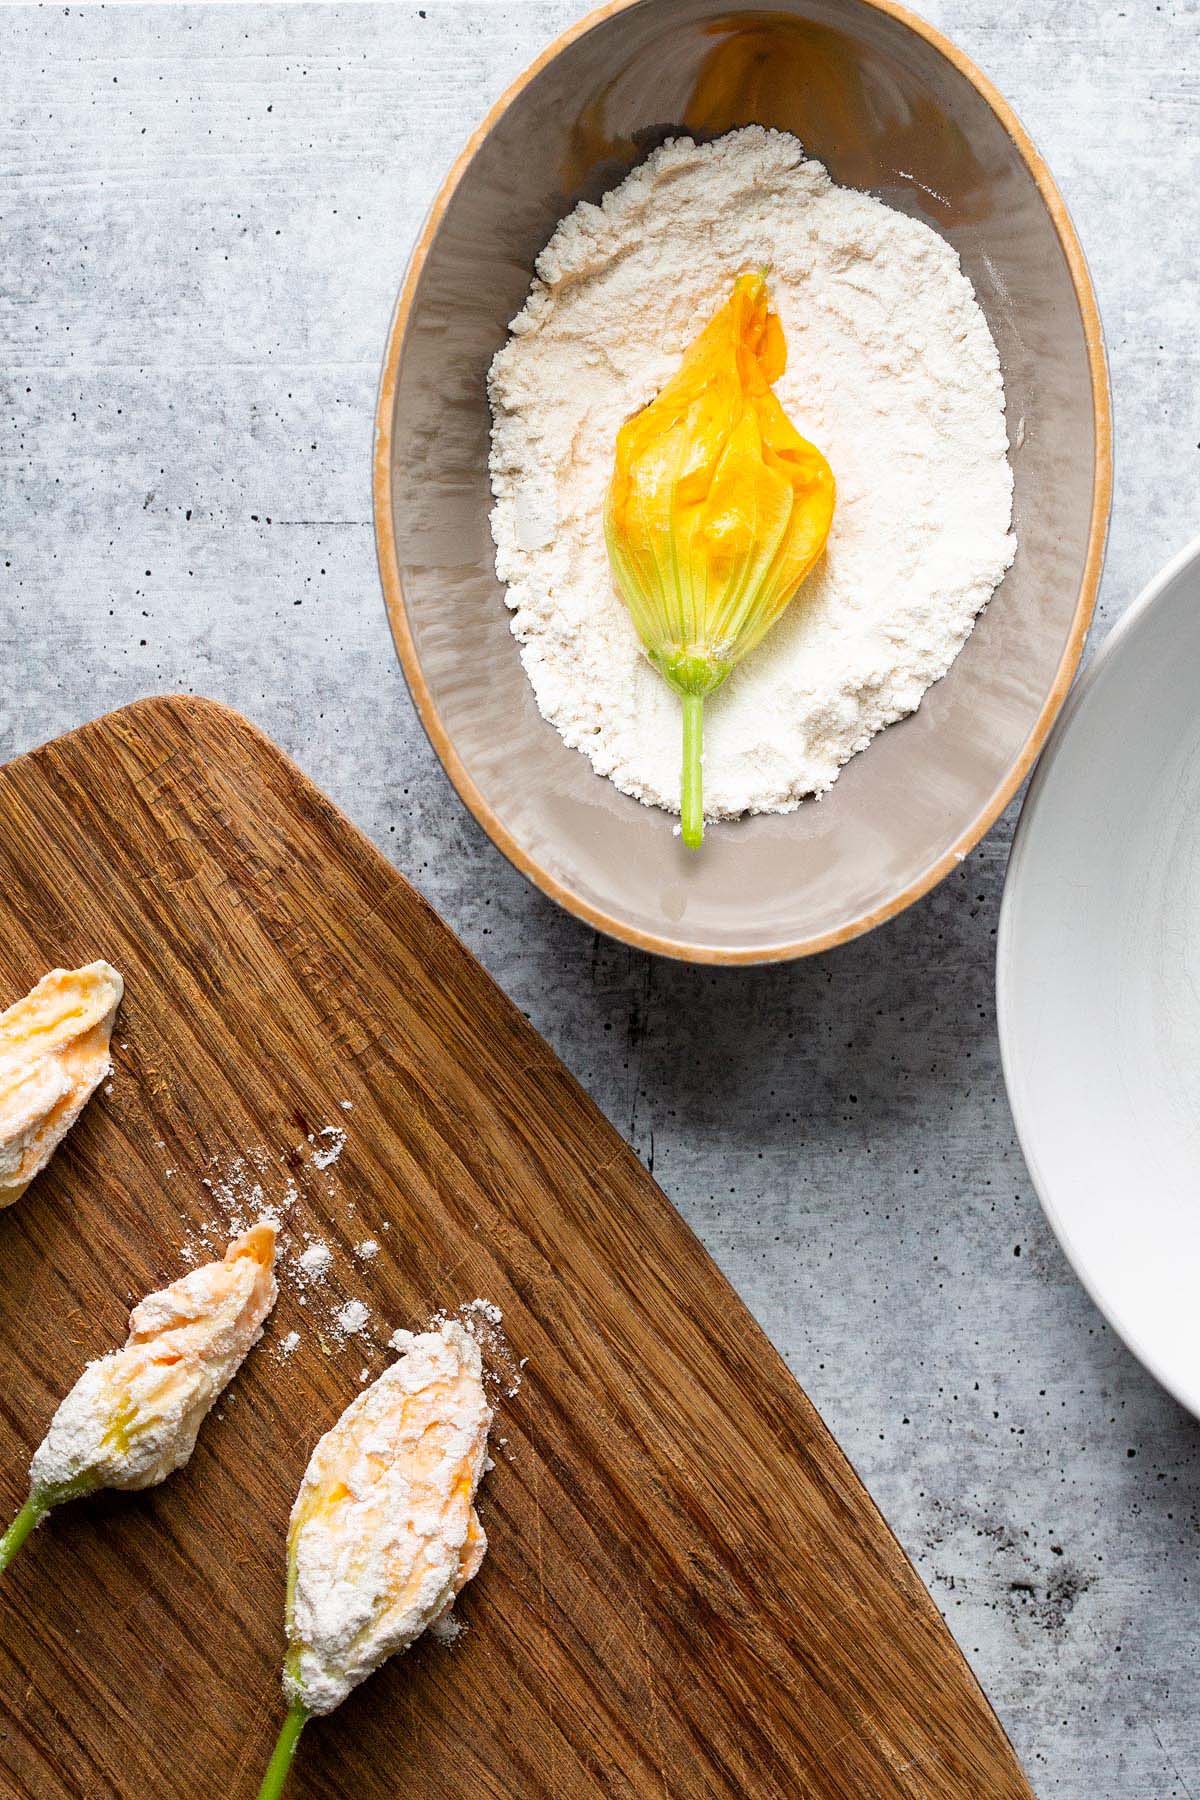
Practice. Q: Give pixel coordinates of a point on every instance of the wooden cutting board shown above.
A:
(688, 1593)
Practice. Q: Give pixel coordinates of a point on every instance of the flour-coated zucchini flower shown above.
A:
(384, 1532)
(133, 1416)
(54, 1053)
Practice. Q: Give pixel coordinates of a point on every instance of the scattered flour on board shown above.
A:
(252, 1185)
(258, 1184)
(353, 1318)
(328, 1144)
(317, 1260)
(892, 372)
(449, 1628)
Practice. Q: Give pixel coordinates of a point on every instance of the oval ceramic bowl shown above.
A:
(1098, 979)
(891, 107)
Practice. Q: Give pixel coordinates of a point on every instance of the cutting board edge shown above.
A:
(190, 706)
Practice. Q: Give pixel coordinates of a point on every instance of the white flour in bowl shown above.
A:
(892, 372)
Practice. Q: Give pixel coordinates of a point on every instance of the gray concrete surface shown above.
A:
(204, 214)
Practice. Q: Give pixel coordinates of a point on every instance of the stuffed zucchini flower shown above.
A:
(384, 1531)
(132, 1417)
(53, 1057)
(716, 512)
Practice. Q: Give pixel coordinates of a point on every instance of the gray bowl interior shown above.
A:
(887, 112)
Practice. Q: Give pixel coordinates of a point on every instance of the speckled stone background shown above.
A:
(204, 214)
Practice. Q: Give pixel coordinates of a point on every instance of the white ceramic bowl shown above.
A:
(1098, 978)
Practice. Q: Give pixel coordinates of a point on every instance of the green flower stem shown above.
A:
(692, 808)
(285, 1749)
(26, 1521)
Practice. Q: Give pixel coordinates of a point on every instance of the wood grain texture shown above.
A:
(689, 1592)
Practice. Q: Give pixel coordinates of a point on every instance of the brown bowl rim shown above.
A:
(385, 536)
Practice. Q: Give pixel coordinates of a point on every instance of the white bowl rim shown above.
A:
(1125, 627)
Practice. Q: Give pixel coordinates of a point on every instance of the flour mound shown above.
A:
(892, 372)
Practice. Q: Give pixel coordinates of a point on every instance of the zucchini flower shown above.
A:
(53, 1057)
(716, 512)
(132, 1417)
(384, 1531)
